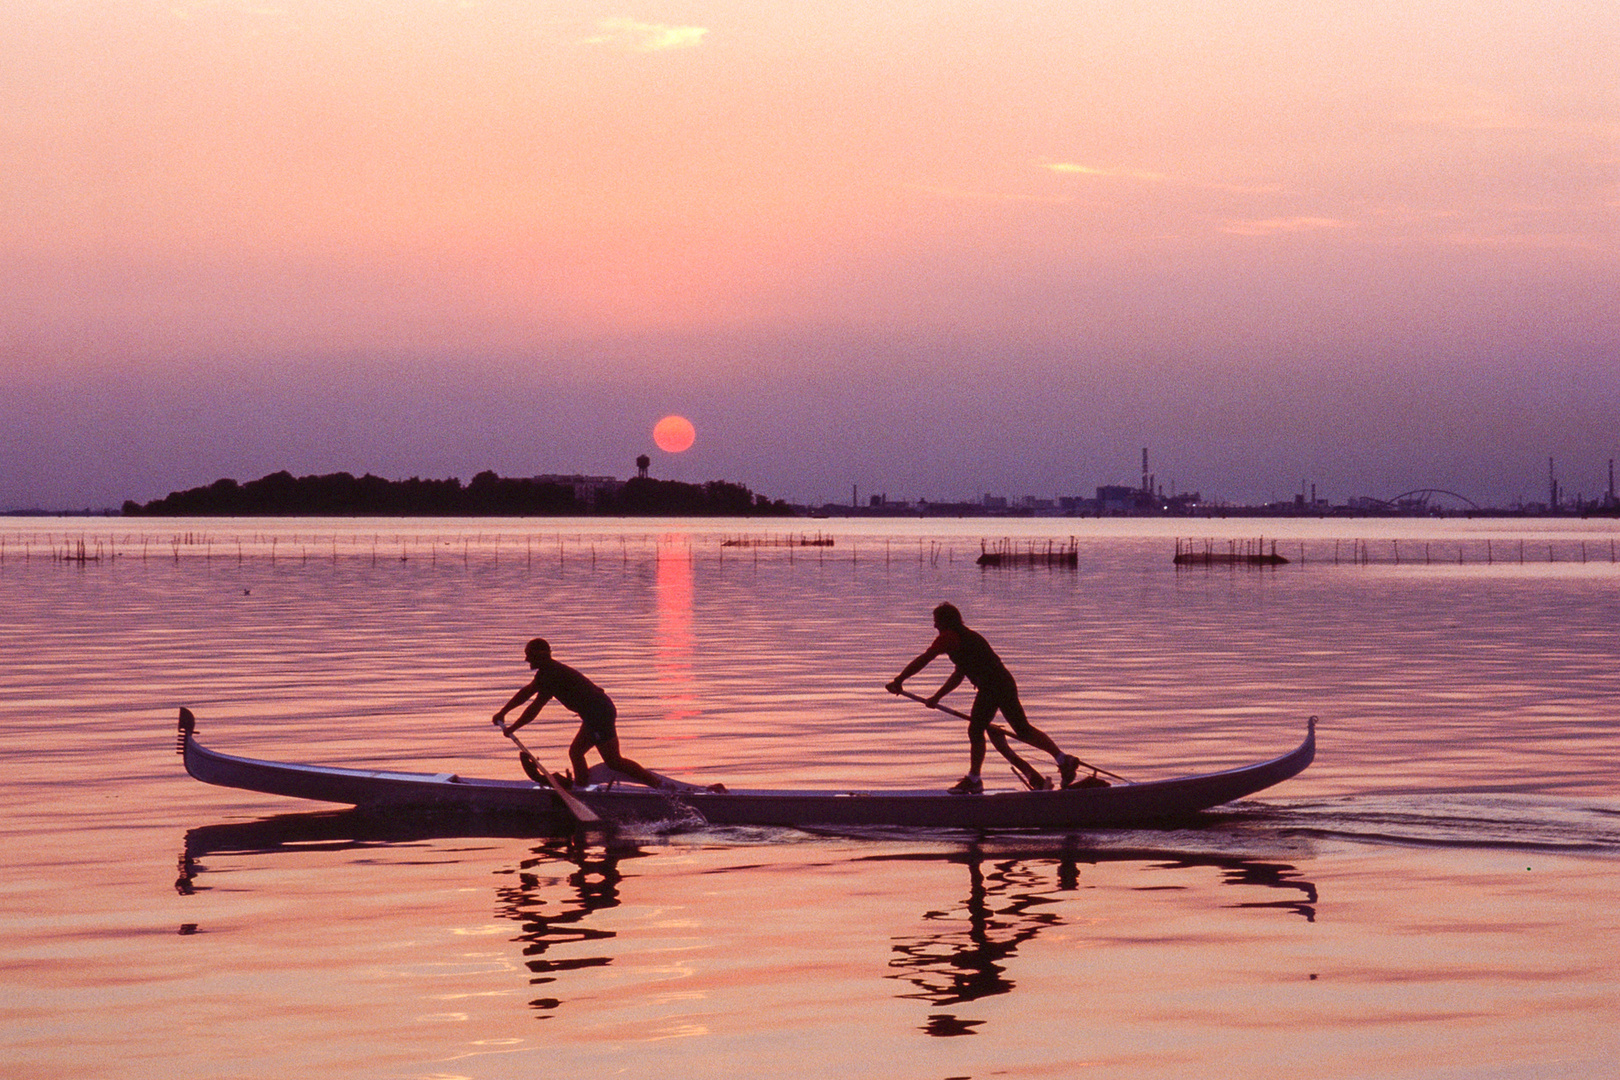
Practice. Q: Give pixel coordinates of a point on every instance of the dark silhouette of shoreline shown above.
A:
(344, 495)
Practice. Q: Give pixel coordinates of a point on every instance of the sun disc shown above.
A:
(674, 434)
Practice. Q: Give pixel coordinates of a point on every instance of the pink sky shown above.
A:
(956, 248)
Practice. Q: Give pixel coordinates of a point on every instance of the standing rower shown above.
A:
(576, 693)
(977, 662)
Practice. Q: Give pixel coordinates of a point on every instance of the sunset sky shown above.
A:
(948, 249)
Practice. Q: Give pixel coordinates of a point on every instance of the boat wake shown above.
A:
(1483, 821)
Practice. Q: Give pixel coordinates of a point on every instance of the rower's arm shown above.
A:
(528, 714)
(911, 669)
(517, 699)
(950, 684)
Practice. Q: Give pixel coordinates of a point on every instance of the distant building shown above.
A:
(1117, 499)
(587, 489)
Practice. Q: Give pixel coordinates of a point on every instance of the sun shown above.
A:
(674, 434)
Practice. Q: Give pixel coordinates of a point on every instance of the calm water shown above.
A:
(1435, 897)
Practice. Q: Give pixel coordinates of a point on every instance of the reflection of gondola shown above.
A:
(555, 891)
(589, 873)
(1009, 903)
(336, 830)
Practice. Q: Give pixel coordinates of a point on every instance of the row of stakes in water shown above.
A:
(465, 550)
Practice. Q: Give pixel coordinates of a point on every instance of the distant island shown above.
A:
(344, 495)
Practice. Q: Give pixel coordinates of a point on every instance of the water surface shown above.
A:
(1433, 898)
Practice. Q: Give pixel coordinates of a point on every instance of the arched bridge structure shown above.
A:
(1419, 499)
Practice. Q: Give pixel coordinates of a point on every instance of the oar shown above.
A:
(582, 813)
(965, 716)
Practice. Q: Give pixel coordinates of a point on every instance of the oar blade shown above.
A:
(582, 813)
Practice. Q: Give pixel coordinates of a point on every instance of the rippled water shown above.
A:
(1434, 897)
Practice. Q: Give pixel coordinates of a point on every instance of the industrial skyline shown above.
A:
(596, 493)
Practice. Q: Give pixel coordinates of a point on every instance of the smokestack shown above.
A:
(1147, 482)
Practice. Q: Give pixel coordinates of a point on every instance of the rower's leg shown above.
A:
(983, 711)
(1023, 730)
(583, 741)
(1013, 710)
(616, 760)
(1032, 779)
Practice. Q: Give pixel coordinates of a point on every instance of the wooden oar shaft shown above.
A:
(582, 813)
(919, 699)
(954, 712)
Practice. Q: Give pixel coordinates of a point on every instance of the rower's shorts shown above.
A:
(599, 725)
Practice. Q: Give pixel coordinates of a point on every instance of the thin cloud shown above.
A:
(634, 36)
(1274, 226)
(1070, 167)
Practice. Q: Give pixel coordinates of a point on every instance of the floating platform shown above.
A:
(1008, 553)
(818, 541)
(1237, 553)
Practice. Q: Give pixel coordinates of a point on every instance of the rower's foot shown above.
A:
(968, 785)
(1067, 768)
(1037, 782)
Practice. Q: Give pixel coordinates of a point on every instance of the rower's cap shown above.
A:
(538, 648)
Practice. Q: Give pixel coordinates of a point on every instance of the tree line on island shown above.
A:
(487, 495)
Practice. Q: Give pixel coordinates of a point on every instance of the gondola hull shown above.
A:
(1121, 805)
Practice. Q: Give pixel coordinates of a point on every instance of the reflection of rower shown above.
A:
(1009, 903)
(548, 920)
(965, 964)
